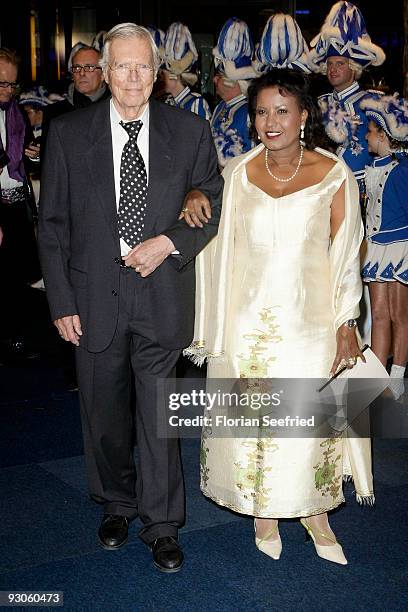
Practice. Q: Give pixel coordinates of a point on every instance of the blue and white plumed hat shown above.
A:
(180, 53)
(390, 113)
(281, 46)
(38, 98)
(234, 51)
(344, 34)
(158, 36)
(99, 40)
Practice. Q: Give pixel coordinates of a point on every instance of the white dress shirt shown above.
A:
(119, 139)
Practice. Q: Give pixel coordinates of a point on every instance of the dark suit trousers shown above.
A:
(156, 492)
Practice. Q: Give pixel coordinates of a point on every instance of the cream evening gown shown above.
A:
(279, 323)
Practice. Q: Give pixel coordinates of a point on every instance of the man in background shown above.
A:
(18, 251)
(88, 85)
(342, 50)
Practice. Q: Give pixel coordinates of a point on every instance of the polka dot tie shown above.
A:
(133, 188)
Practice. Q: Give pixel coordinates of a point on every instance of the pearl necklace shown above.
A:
(283, 180)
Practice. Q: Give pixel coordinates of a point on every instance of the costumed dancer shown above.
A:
(99, 40)
(386, 262)
(342, 50)
(158, 37)
(178, 71)
(33, 103)
(159, 91)
(281, 46)
(233, 58)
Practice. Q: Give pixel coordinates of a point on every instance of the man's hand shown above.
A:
(1, 236)
(148, 255)
(196, 209)
(33, 151)
(69, 328)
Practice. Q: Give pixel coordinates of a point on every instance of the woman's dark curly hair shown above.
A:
(295, 84)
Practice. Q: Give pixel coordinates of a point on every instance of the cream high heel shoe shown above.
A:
(330, 553)
(272, 548)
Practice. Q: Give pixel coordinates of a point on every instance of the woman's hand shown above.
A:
(196, 209)
(348, 349)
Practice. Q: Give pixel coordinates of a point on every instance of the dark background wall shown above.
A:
(204, 18)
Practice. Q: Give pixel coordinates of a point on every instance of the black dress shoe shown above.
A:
(113, 532)
(167, 554)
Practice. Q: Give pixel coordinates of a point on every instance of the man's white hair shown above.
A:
(128, 30)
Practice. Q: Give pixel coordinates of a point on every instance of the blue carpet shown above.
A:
(224, 571)
(39, 427)
(48, 532)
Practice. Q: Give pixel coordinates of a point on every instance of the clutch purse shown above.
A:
(352, 390)
(372, 368)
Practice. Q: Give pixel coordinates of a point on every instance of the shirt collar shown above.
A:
(382, 161)
(235, 100)
(345, 93)
(116, 118)
(182, 95)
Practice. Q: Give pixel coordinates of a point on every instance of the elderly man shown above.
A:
(88, 85)
(119, 272)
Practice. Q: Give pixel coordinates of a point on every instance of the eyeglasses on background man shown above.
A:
(76, 68)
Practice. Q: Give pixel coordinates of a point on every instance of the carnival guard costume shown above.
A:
(233, 58)
(179, 60)
(344, 34)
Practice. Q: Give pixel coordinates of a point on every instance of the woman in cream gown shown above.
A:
(284, 280)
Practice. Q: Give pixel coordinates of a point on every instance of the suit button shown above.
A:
(375, 229)
(117, 260)
(115, 293)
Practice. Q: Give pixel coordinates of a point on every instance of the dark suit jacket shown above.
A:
(78, 231)
(62, 107)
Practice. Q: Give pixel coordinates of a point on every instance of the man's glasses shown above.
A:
(76, 68)
(5, 84)
(122, 70)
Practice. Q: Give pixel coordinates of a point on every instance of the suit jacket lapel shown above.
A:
(161, 158)
(100, 164)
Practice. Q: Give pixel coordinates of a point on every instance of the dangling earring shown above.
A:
(302, 132)
(258, 137)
